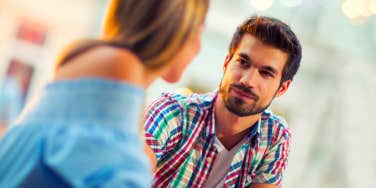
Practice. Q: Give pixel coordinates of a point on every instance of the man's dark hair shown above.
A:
(272, 32)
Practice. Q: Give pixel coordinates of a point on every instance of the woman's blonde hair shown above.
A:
(154, 30)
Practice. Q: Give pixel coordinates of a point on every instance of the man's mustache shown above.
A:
(245, 89)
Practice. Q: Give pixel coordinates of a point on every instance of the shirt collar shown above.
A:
(87, 101)
(255, 133)
(210, 129)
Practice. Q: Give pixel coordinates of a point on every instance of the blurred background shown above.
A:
(330, 107)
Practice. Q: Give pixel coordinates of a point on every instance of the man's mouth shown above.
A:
(244, 94)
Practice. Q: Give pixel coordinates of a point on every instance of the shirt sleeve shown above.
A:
(97, 157)
(274, 161)
(163, 125)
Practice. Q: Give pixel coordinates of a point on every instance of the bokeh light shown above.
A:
(292, 3)
(261, 4)
(354, 8)
(372, 6)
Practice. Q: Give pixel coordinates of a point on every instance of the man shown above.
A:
(229, 138)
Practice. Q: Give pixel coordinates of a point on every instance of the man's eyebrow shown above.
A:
(270, 69)
(244, 56)
(249, 59)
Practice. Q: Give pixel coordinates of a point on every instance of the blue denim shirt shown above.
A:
(78, 133)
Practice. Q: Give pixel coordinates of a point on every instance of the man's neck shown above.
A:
(230, 128)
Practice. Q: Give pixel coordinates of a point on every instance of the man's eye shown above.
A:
(266, 74)
(242, 62)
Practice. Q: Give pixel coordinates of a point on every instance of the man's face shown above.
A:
(252, 77)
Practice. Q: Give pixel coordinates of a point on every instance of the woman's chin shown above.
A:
(171, 79)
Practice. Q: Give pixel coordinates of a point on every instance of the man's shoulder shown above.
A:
(269, 117)
(185, 101)
(274, 126)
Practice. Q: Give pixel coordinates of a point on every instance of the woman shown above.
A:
(82, 131)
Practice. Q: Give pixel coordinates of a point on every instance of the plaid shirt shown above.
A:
(181, 132)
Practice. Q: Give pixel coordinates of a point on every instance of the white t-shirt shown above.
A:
(222, 164)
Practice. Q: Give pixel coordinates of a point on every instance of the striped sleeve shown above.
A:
(163, 125)
(274, 161)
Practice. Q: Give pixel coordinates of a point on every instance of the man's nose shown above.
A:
(250, 77)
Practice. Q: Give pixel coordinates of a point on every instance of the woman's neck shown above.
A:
(108, 63)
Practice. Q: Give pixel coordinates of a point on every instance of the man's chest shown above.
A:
(198, 162)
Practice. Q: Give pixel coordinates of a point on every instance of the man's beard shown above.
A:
(237, 105)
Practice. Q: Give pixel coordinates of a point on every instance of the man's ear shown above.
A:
(227, 60)
(283, 88)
